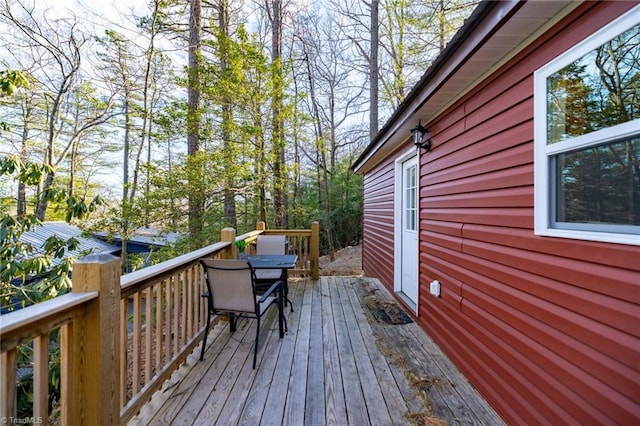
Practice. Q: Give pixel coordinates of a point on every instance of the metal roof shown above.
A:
(144, 236)
(65, 231)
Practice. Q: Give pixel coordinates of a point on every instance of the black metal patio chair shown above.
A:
(231, 290)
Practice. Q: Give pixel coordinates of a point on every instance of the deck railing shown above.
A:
(302, 242)
(121, 337)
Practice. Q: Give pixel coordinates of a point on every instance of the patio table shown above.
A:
(284, 262)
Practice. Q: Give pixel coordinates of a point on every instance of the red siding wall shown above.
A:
(548, 329)
(377, 258)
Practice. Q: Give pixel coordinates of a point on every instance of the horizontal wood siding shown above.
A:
(548, 329)
(378, 222)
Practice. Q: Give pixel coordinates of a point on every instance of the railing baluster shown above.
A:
(8, 368)
(137, 306)
(176, 313)
(124, 353)
(148, 334)
(183, 314)
(66, 365)
(202, 307)
(167, 323)
(190, 300)
(41, 376)
(159, 324)
(303, 253)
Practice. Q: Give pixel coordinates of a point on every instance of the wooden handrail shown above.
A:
(122, 337)
(141, 278)
(34, 323)
(25, 324)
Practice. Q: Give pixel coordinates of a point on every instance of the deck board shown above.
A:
(335, 365)
(314, 411)
(381, 399)
(295, 369)
(336, 410)
(354, 396)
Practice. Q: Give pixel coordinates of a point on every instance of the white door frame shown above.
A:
(398, 212)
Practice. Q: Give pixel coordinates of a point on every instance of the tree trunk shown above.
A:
(147, 186)
(196, 197)
(442, 20)
(24, 152)
(321, 161)
(73, 164)
(125, 180)
(42, 202)
(146, 113)
(279, 173)
(373, 72)
(124, 252)
(230, 214)
(22, 201)
(127, 147)
(297, 171)
(262, 173)
(193, 116)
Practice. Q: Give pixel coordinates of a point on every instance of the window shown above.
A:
(587, 138)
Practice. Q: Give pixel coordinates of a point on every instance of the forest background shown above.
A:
(192, 116)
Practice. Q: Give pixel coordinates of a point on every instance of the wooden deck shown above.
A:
(346, 359)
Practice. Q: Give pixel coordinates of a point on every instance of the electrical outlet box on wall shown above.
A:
(434, 288)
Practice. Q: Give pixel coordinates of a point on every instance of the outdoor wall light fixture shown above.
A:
(421, 137)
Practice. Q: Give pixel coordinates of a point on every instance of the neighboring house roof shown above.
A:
(145, 237)
(65, 231)
(495, 32)
(153, 236)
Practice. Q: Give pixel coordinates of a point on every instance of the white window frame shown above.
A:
(543, 153)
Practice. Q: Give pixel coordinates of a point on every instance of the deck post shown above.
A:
(95, 351)
(260, 226)
(315, 251)
(229, 235)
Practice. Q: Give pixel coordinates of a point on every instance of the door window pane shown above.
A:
(411, 199)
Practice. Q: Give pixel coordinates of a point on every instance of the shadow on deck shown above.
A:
(351, 356)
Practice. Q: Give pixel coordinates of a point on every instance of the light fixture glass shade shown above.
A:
(417, 136)
(419, 133)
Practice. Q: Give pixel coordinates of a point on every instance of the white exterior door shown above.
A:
(407, 231)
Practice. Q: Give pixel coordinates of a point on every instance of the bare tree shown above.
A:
(394, 42)
(62, 45)
(334, 100)
(57, 46)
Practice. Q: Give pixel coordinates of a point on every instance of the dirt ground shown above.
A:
(348, 261)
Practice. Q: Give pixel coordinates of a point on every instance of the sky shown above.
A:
(99, 13)
(107, 9)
